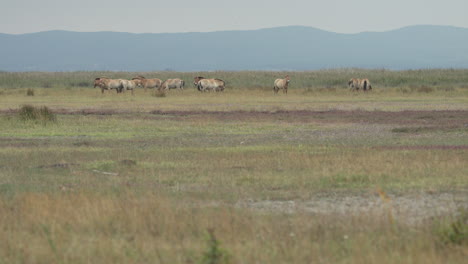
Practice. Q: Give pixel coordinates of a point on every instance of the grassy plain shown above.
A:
(319, 175)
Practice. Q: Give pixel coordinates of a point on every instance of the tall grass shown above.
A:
(250, 79)
(152, 228)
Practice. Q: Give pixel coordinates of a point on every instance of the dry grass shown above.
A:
(84, 227)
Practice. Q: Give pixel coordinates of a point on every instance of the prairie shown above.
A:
(319, 175)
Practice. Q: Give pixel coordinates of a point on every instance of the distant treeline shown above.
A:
(334, 78)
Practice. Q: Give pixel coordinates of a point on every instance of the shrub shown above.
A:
(214, 253)
(29, 112)
(454, 231)
(30, 92)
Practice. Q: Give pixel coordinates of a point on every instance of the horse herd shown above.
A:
(201, 83)
(121, 85)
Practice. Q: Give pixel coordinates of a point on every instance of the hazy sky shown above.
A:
(154, 16)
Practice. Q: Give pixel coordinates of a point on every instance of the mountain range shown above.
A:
(294, 48)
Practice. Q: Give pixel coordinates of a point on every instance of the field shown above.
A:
(320, 175)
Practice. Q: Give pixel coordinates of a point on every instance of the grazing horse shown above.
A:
(204, 85)
(108, 84)
(147, 83)
(172, 84)
(281, 84)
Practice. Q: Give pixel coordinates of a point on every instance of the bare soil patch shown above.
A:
(406, 208)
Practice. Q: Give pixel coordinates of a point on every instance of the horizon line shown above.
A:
(235, 30)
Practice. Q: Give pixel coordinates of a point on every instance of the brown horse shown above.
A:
(281, 84)
(108, 84)
(204, 84)
(147, 83)
(172, 84)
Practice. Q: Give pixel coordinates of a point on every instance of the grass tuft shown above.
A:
(32, 113)
(30, 92)
(158, 93)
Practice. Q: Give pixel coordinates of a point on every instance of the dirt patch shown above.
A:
(410, 208)
(448, 119)
(429, 147)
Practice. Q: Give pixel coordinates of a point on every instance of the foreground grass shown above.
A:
(150, 228)
(117, 178)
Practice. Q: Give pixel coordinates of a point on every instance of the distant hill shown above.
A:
(282, 48)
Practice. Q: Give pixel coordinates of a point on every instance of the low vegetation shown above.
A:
(321, 174)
